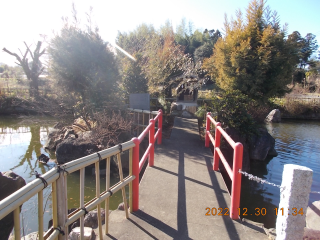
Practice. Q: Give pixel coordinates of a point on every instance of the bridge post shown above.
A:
(152, 142)
(236, 181)
(294, 198)
(135, 172)
(62, 205)
(207, 129)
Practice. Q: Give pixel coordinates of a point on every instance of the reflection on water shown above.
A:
(21, 141)
(297, 142)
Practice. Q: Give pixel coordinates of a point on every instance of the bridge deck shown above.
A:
(175, 193)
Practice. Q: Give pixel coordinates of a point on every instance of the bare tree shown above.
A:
(32, 72)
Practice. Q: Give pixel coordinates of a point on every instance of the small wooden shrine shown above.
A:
(187, 92)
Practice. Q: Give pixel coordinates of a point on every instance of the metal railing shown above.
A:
(233, 173)
(57, 178)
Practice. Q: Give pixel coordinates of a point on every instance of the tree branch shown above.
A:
(24, 56)
(28, 49)
(20, 52)
(13, 54)
(43, 51)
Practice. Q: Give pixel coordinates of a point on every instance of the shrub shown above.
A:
(232, 110)
(110, 129)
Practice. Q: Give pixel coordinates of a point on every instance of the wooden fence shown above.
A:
(22, 92)
(12, 87)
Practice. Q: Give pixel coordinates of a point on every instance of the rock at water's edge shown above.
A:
(87, 235)
(71, 149)
(90, 219)
(51, 142)
(43, 158)
(274, 116)
(121, 206)
(257, 148)
(262, 145)
(9, 183)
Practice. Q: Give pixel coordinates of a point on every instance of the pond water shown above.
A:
(297, 142)
(21, 141)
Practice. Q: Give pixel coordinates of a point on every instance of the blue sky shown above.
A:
(25, 20)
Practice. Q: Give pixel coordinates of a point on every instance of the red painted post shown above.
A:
(236, 181)
(135, 172)
(217, 141)
(207, 129)
(151, 141)
(160, 126)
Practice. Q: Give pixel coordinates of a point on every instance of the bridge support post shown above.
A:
(236, 181)
(62, 205)
(135, 172)
(294, 197)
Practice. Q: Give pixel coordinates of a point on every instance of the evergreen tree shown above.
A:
(83, 64)
(135, 41)
(254, 56)
(206, 49)
(133, 79)
(304, 48)
(197, 44)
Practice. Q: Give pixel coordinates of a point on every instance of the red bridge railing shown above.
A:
(137, 164)
(233, 173)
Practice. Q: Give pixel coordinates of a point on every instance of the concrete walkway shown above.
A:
(175, 193)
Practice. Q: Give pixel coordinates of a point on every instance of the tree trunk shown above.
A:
(34, 87)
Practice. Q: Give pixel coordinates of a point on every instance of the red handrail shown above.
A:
(233, 173)
(136, 162)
